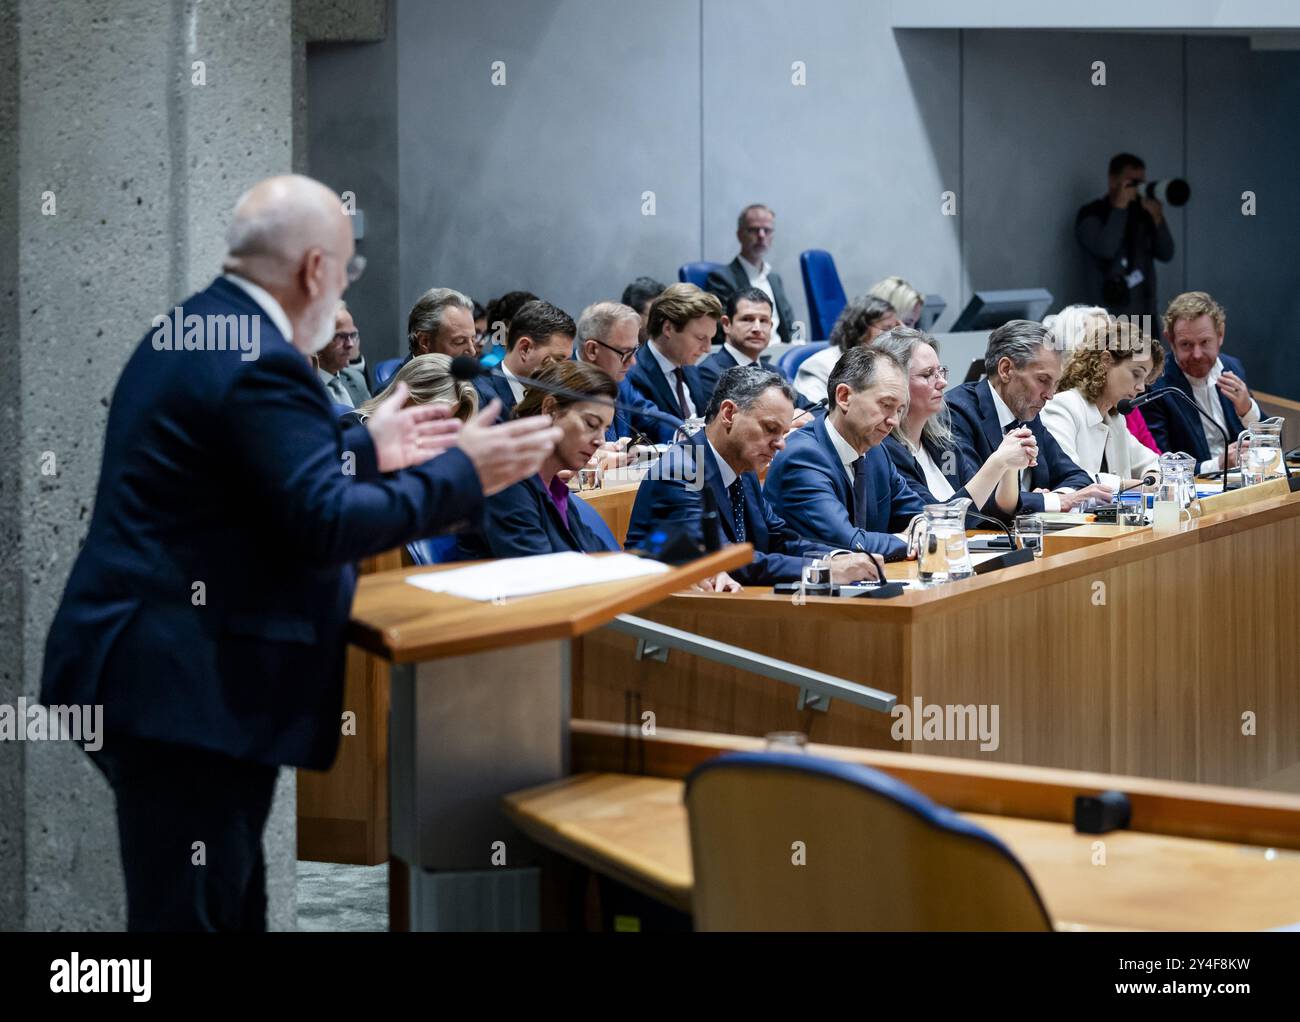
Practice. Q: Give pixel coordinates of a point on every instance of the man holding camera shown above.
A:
(1123, 234)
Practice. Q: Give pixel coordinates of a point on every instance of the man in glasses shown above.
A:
(607, 337)
(344, 384)
(751, 269)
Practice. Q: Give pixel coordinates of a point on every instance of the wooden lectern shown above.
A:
(480, 705)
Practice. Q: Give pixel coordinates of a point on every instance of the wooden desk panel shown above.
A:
(614, 505)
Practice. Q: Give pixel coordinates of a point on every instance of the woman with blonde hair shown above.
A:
(1115, 361)
(428, 380)
(902, 296)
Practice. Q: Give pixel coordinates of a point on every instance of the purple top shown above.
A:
(559, 491)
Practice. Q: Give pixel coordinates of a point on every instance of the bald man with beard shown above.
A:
(206, 610)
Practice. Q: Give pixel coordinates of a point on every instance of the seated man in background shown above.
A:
(539, 515)
(539, 334)
(441, 322)
(345, 386)
(682, 323)
(356, 369)
(750, 269)
(715, 471)
(861, 322)
(1023, 368)
(607, 338)
(1194, 324)
(746, 332)
(834, 482)
(639, 295)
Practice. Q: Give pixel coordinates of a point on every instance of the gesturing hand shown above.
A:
(409, 436)
(1233, 387)
(505, 453)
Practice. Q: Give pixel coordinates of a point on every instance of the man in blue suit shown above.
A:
(1194, 325)
(834, 482)
(716, 471)
(607, 338)
(746, 332)
(539, 333)
(1023, 368)
(682, 322)
(206, 611)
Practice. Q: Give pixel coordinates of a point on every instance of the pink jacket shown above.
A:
(1138, 427)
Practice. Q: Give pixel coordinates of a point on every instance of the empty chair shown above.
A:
(384, 372)
(791, 359)
(785, 841)
(697, 273)
(821, 283)
(432, 550)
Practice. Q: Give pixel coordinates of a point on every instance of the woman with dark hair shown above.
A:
(539, 515)
(862, 321)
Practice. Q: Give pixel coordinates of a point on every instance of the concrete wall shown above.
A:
(537, 183)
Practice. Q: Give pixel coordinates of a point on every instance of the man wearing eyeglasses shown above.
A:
(608, 337)
(750, 269)
(344, 384)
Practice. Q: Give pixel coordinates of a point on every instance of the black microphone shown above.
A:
(466, 367)
(1006, 560)
(1127, 405)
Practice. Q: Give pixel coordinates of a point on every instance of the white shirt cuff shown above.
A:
(1253, 416)
(1051, 502)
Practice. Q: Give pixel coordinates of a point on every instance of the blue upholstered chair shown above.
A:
(821, 284)
(591, 518)
(433, 550)
(384, 372)
(785, 841)
(792, 358)
(697, 273)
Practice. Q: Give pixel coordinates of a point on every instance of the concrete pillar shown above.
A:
(145, 119)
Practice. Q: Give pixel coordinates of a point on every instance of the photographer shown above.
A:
(1123, 236)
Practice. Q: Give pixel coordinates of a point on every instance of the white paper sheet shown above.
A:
(527, 576)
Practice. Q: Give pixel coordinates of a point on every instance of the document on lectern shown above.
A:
(528, 576)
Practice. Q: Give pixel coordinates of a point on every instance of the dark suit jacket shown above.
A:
(910, 469)
(721, 360)
(808, 487)
(1177, 427)
(209, 604)
(636, 416)
(732, 278)
(646, 379)
(672, 493)
(977, 435)
(523, 520)
(495, 386)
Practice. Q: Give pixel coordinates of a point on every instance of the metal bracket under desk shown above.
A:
(815, 688)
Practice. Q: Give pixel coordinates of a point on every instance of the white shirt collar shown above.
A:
(666, 365)
(741, 358)
(755, 272)
(1005, 415)
(726, 471)
(516, 385)
(266, 302)
(1209, 381)
(842, 447)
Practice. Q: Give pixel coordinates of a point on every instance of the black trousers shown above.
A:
(190, 824)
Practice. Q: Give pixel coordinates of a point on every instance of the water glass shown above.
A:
(1029, 533)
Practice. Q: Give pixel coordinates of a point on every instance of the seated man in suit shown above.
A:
(607, 338)
(1194, 324)
(345, 386)
(441, 322)
(750, 269)
(834, 482)
(715, 471)
(682, 322)
(357, 370)
(1023, 367)
(539, 515)
(539, 334)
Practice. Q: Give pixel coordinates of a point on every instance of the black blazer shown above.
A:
(1175, 426)
(732, 278)
(977, 435)
(646, 379)
(523, 520)
(209, 604)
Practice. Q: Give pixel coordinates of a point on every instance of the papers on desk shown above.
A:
(528, 576)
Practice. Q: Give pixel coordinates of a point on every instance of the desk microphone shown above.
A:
(1127, 405)
(1007, 560)
(672, 546)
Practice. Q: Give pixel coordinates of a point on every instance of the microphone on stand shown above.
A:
(1127, 405)
(669, 544)
(1007, 560)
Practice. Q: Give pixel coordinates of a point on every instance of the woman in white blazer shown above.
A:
(1114, 361)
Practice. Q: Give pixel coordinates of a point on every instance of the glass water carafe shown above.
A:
(1177, 483)
(939, 537)
(1259, 451)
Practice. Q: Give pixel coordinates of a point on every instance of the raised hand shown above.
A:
(409, 436)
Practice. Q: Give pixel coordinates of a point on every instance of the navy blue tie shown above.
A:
(860, 493)
(738, 508)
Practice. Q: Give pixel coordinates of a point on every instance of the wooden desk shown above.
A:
(1135, 655)
(1196, 857)
(614, 505)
